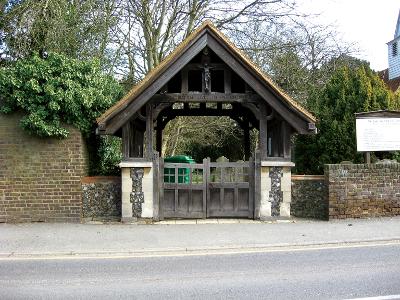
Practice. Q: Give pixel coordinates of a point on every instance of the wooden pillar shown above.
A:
(126, 138)
(149, 131)
(285, 134)
(159, 137)
(263, 133)
(367, 157)
(246, 132)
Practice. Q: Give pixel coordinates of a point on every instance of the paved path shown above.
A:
(345, 273)
(115, 239)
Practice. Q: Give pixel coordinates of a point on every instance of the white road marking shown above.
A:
(189, 252)
(388, 297)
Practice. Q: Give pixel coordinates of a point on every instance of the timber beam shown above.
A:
(205, 98)
(238, 115)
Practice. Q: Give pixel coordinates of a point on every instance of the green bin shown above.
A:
(183, 173)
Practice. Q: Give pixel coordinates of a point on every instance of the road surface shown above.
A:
(326, 273)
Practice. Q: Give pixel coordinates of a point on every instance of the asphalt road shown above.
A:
(306, 274)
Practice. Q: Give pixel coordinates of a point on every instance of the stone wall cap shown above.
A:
(100, 179)
(277, 164)
(136, 164)
(386, 161)
(308, 177)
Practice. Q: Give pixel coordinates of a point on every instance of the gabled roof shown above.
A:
(392, 84)
(206, 28)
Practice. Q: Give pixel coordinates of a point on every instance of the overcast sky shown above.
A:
(369, 23)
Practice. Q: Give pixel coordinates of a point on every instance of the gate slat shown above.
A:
(190, 204)
(222, 190)
(236, 199)
(161, 184)
(250, 176)
(206, 192)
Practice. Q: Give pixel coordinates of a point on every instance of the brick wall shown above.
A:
(309, 197)
(361, 191)
(101, 198)
(40, 179)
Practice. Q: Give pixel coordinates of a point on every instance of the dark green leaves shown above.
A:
(56, 91)
(349, 90)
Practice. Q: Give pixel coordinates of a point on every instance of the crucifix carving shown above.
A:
(207, 77)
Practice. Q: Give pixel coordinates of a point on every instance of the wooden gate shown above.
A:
(211, 189)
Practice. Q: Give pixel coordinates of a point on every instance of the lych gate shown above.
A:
(206, 76)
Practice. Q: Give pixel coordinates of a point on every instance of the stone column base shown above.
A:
(275, 189)
(137, 191)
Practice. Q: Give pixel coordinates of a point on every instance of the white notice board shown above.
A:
(378, 134)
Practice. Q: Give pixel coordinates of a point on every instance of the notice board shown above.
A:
(378, 134)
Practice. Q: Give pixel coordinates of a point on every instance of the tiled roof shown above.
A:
(393, 84)
(153, 74)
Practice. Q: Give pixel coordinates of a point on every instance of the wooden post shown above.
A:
(149, 131)
(246, 132)
(159, 137)
(206, 194)
(161, 188)
(367, 157)
(285, 134)
(126, 137)
(257, 184)
(251, 175)
(156, 187)
(263, 138)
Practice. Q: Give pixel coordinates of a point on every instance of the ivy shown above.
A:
(56, 91)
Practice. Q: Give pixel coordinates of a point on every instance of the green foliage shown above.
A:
(110, 155)
(230, 147)
(54, 91)
(104, 155)
(202, 137)
(348, 91)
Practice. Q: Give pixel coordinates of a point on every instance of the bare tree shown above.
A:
(292, 53)
(79, 29)
(150, 29)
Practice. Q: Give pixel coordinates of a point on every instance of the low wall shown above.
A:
(101, 197)
(309, 197)
(363, 190)
(40, 178)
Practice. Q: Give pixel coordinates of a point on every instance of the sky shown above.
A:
(370, 24)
